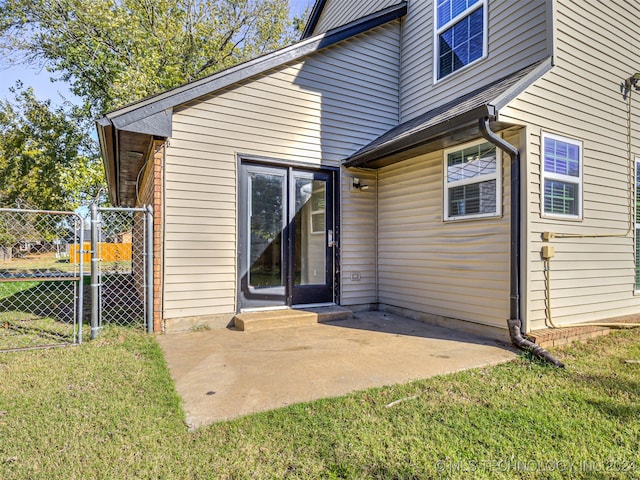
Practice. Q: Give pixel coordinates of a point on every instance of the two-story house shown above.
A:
(463, 162)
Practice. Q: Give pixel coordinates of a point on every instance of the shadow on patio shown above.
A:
(223, 374)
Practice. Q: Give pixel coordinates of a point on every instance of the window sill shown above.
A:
(563, 218)
(469, 218)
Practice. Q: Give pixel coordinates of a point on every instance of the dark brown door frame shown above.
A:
(254, 298)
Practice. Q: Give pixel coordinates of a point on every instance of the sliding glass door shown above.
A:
(286, 236)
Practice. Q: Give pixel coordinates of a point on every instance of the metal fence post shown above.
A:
(95, 293)
(148, 284)
(81, 251)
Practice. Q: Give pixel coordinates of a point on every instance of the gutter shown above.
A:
(514, 322)
(108, 142)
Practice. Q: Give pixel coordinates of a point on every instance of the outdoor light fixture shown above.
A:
(357, 185)
(633, 81)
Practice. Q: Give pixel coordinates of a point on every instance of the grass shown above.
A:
(108, 409)
(41, 313)
(37, 262)
(36, 313)
(13, 288)
(33, 263)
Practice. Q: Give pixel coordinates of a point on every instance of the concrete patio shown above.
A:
(224, 374)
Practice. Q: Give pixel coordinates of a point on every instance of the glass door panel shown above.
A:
(285, 236)
(266, 231)
(310, 232)
(262, 241)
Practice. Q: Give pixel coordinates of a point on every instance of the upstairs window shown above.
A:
(561, 176)
(472, 182)
(461, 33)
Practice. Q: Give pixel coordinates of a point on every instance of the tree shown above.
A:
(113, 52)
(47, 156)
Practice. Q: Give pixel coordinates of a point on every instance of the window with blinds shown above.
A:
(472, 181)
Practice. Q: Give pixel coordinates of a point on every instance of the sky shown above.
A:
(38, 78)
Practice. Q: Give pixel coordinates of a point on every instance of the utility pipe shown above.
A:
(547, 285)
(514, 322)
(613, 325)
(148, 261)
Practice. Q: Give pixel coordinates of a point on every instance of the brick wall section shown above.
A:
(150, 193)
(137, 252)
(555, 337)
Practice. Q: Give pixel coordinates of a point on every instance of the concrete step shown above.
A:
(330, 314)
(289, 317)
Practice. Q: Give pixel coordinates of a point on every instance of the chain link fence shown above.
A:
(41, 278)
(46, 257)
(122, 268)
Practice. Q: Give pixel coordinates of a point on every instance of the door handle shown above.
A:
(330, 242)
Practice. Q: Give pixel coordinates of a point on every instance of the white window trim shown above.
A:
(562, 178)
(437, 31)
(497, 175)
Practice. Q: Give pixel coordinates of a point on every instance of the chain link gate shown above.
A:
(121, 267)
(41, 278)
(42, 259)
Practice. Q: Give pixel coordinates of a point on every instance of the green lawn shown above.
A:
(108, 409)
(34, 313)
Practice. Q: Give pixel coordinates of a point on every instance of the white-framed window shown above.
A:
(460, 34)
(472, 181)
(561, 176)
(637, 215)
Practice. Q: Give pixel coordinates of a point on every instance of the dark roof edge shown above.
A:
(139, 110)
(314, 17)
(423, 135)
(418, 137)
(107, 142)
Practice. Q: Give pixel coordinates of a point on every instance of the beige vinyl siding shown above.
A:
(358, 239)
(519, 35)
(316, 111)
(592, 278)
(340, 12)
(456, 269)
